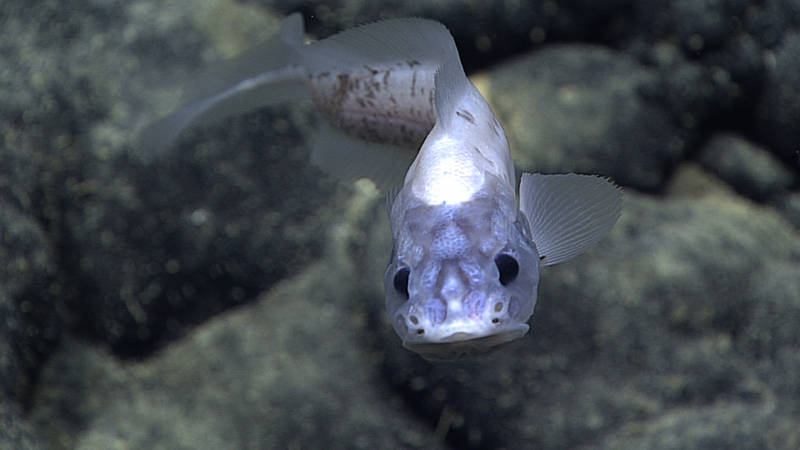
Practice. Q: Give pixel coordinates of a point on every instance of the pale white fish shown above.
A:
(464, 268)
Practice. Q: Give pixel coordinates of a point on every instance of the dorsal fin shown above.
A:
(451, 85)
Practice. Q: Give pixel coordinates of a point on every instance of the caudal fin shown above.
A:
(267, 75)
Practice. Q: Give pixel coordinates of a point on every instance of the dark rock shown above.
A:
(485, 33)
(717, 90)
(710, 60)
(750, 169)
(676, 331)
(770, 20)
(137, 240)
(16, 433)
(289, 370)
(724, 425)
(789, 206)
(778, 109)
(658, 319)
(581, 109)
(29, 324)
(194, 234)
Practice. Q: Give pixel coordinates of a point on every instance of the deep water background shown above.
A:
(228, 295)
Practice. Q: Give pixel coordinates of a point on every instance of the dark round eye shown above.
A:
(401, 281)
(506, 265)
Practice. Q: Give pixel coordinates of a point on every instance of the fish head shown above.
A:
(463, 277)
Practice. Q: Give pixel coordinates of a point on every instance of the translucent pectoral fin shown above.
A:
(568, 213)
(349, 158)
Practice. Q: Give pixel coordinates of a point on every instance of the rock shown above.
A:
(195, 233)
(750, 169)
(721, 425)
(288, 370)
(770, 21)
(17, 433)
(141, 241)
(676, 312)
(485, 33)
(789, 206)
(778, 110)
(227, 296)
(579, 108)
(29, 325)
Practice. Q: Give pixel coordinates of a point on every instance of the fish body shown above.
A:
(387, 103)
(464, 269)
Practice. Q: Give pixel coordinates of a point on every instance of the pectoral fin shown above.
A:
(568, 213)
(348, 158)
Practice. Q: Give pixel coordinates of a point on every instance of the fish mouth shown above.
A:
(463, 345)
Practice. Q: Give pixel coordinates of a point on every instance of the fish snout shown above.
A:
(453, 331)
(453, 318)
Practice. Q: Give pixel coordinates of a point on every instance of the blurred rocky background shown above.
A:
(228, 295)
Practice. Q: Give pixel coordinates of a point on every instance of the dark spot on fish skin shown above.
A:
(386, 77)
(541, 258)
(413, 83)
(413, 62)
(339, 92)
(466, 115)
(392, 99)
(494, 129)
(485, 158)
(371, 70)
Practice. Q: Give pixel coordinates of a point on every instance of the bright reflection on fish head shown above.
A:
(462, 278)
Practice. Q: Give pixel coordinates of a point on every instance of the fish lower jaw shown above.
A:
(460, 344)
(462, 338)
(458, 326)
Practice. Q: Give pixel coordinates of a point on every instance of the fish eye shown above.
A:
(506, 265)
(401, 281)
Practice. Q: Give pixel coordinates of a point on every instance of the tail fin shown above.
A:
(267, 75)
